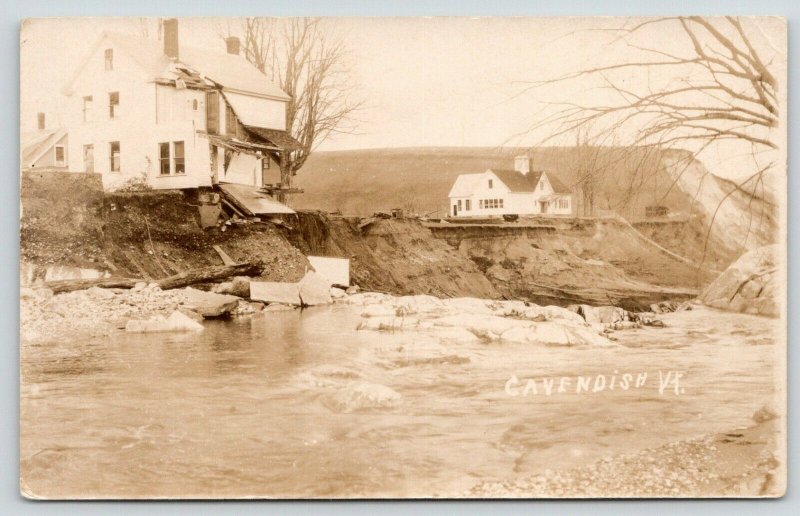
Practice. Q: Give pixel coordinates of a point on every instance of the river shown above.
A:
(249, 408)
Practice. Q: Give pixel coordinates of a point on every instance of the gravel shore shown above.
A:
(90, 313)
(739, 463)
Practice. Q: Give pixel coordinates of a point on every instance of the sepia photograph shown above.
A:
(402, 257)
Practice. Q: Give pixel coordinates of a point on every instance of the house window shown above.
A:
(40, 120)
(194, 104)
(113, 104)
(501, 203)
(114, 156)
(459, 205)
(61, 156)
(541, 185)
(171, 158)
(490, 184)
(88, 158)
(480, 204)
(265, 163)
(109, 57)
(163, 158)
(180, 163)
(468, 205)
(87, 108)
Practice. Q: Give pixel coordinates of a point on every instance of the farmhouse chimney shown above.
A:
(233, 45)
(171, 37)
(522, 164)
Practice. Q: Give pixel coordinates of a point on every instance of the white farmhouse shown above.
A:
(509, 192)
(175, 116)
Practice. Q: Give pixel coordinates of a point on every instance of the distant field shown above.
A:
(361, 182)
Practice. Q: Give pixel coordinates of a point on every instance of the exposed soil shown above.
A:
(67, 220)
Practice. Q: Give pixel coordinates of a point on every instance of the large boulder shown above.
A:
(275, 292)
(239, 286)
(602, 314)
(209, 304)
(315, 289)
(177, 321)
(748, 285)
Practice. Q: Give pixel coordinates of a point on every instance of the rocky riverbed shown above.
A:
(737, 463)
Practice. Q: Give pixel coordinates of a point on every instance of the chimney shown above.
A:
(233, 45)
(171, 37)
(522, 164)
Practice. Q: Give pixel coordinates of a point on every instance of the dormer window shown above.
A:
(490, 184)
(109, 57)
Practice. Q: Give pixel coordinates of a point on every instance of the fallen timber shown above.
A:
(180, 280)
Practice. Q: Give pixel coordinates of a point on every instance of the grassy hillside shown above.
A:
(361, 182)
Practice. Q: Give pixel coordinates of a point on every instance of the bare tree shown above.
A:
(721, 90)
(714, 88)
(308, 62)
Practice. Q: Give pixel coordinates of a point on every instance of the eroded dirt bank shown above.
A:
(68, 221)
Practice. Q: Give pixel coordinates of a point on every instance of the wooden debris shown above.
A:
(227, 260)
(180, 280)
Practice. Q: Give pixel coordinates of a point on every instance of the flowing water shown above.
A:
(264, 407)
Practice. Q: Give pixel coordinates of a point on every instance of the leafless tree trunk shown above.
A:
(717, 88)
(308, 62)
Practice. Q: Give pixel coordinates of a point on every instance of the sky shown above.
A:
(423, 81)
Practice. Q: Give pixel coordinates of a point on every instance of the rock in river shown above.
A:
(209, 304)
(750, 284)
(315, 289)
(275, 292)
(178, 321)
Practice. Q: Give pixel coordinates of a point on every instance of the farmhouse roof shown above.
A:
(465, 185)
(35, 145)
(230, 71)
(517, 181)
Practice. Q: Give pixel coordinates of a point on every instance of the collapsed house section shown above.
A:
(166, 116)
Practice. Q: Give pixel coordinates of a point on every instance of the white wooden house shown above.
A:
(509, 192)
(176, 116)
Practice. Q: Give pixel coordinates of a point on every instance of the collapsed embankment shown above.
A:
(68, 221)
(593, 262)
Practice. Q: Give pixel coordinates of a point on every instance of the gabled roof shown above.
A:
(558, 186)
(231, 72)
(35, 145)
(465, 185)
(517, 181)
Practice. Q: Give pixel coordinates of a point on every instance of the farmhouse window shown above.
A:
(265, 163)
(480, 204)
(60, 156)
(490, 184)
(180, 163)
(113, 104)
(194, 104)
(468, 205)
(114, 155)
(40, 120)
(501, 203)
(541, 185)
(459, 205)
(87, 108)
(171, 158)
(163, 158)
(109, 58)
